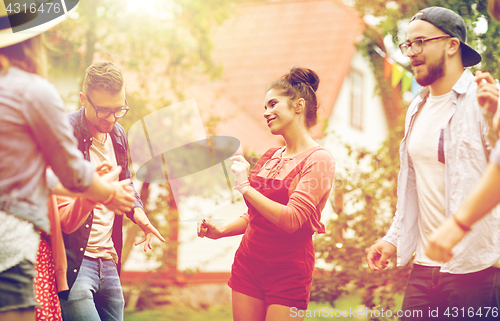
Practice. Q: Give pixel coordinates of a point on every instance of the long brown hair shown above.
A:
(28, 55)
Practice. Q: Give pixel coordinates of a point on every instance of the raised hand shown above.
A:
(240, 168)
(487, 91)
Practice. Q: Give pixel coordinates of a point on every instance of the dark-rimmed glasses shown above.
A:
(417, 46)
(105, 113)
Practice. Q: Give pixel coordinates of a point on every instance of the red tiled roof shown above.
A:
(261, 42)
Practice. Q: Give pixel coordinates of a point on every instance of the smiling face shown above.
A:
(103, 100)
(278, 112)
(429, 65)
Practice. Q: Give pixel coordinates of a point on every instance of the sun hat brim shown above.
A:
(29, 29)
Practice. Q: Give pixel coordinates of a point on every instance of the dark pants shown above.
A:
(433, 295)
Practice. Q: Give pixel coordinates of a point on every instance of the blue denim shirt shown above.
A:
(76, 242)
(464, 148)
(35, 133)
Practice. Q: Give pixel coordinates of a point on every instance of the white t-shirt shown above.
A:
(423, 149)
(100, 243)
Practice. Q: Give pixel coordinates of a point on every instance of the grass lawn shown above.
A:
(223, 313)
(346, 308)
(216, 313)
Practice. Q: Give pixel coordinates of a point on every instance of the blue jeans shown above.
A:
(433, 295)
(97, 293)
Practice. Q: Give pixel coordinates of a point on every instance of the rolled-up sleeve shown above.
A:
(44, 113)
(309, 196)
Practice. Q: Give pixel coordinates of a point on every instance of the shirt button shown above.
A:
(86, 226)
(90, 138)
(81, 249)
(84, 140)
(75, 270)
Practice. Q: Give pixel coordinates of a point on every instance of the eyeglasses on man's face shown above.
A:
(105, 113)
(417, 46)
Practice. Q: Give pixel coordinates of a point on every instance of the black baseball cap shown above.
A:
(452, 24)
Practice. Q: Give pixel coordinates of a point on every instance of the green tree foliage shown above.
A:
(163, 51)
(395, 15)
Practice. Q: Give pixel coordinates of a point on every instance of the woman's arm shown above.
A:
(315, 182)
(208, 229)
(483, 198)
(73, 212)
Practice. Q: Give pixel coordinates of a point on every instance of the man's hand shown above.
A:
(149, 230)
(487, 91)
(123, 199)
(443, 240)
(378, 255)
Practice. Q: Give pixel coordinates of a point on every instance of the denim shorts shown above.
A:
(16, 287)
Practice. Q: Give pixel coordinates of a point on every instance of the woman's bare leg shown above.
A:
(247, 308)
(27, 314)
(276, 312)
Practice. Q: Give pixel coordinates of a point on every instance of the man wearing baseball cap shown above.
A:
(443, 155)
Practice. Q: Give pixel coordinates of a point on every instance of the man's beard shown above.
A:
(103, 130)
(434, 72)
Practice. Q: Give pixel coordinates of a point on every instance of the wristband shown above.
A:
(239, 186)
(109, 199)
(462, 226)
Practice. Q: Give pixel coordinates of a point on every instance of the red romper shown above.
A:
(271, 264)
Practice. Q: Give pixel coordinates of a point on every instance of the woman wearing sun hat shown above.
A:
(34, 134)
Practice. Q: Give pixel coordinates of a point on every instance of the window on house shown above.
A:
(356, 99)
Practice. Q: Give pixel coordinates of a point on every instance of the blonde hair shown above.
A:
(28, 55)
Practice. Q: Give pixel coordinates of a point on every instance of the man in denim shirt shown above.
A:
(443, 155)
(94, 250)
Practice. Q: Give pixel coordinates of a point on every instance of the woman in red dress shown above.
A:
(285, 193)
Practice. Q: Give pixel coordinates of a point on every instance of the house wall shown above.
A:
(339, 128)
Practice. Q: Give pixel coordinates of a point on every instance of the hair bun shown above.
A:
(304, 75)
